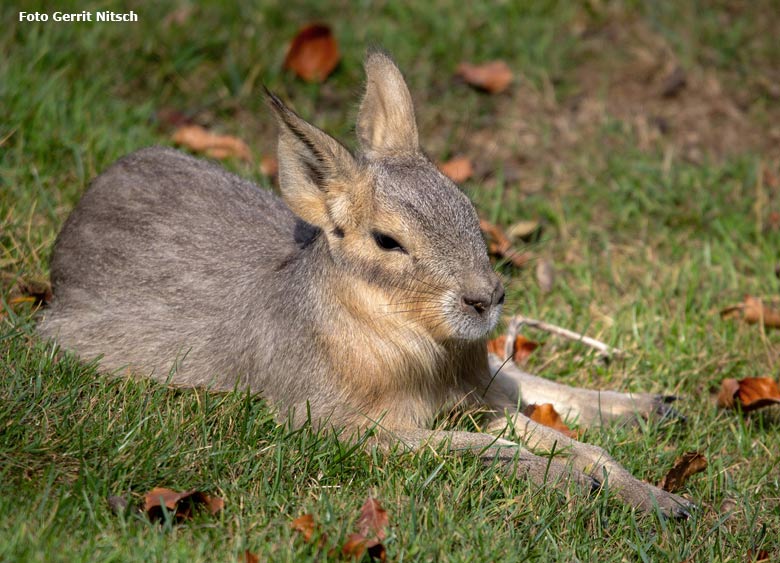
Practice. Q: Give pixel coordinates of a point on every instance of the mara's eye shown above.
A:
(386, 242)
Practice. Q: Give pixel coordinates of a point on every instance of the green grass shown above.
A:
(648, 245)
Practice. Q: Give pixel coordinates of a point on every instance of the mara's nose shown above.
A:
(481, 300)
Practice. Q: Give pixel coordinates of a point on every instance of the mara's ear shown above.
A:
(316, 172)
(385, 123)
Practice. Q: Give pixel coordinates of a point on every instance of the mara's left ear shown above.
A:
(386, 125)
(318, 176)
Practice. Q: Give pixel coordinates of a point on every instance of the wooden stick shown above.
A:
(519, 320)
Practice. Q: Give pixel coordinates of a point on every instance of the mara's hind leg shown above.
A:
(585, 407)
(509, 456)
(593, 461)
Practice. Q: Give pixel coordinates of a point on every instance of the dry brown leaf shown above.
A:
(371, 531)
(750, 393)
(760, 556)
(458, 169)
(181, 504)
(493, 77)
(728, 391)
(249, 557)
(753, 311)
(198, 139)
(357, 544)
(373, 519)
(313, 53)
(36, 292)
(269, 166)
(523, 347)
(500, 246)
(305, 525)
(690, 463)
(547, 415)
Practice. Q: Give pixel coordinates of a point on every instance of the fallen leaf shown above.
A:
(354, 547)
(313, 53)
(357, 544)
(458, 169)
(523, 230)
(198, 139)
(545, 275)
(36, 292)
(249, 557)
(523, 347)
(181, 504)
(547, 415)
(690, 463)
(500, 246)
(729, 388)
(759, 556)
(373, 519)
(269, 166)
(753, 311)
(305, 525)
(750, 393)
(493, 77)
(371, 531)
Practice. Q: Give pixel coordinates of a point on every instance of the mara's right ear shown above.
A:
(316, 172)
(385, 123)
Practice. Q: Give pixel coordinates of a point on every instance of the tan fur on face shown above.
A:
(393, 366)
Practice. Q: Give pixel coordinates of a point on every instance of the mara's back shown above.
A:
(159, 263)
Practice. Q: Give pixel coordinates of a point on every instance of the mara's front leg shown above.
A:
(509, 456)
(585, 407)
(596, 462)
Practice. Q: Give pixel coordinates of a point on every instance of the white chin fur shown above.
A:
(470, 327)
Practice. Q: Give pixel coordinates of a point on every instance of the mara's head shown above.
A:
(393, 223)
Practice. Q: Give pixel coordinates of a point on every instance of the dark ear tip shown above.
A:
(375, 50)
(273, 100)
(377, 55)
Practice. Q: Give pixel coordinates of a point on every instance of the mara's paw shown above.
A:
(648, 406)
(650, 499)
(664, 411)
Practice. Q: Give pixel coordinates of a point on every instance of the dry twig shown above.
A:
(519, 320)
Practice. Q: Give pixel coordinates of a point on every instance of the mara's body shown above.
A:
(174, 268)
(361, 299)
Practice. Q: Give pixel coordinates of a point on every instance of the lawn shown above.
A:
(641, 136)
